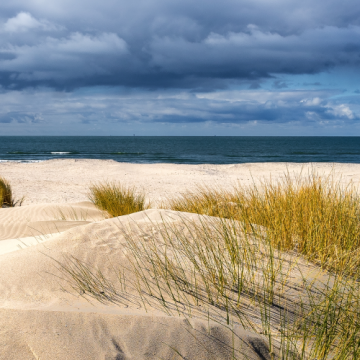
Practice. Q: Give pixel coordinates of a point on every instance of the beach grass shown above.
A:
(280, 259)
(235, 275)
(117, 199)
(6, 195)
(313, 215)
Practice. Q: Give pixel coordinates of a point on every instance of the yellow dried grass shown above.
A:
(117, 199)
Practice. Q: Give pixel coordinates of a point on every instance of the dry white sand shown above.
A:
(39, 320)
(60, 181)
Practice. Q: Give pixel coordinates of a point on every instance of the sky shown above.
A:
(180, 67)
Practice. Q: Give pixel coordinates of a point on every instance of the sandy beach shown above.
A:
(42, 318)
(67, 181)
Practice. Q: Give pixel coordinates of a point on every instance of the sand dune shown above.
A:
(37, 220)
(41, 314)
(40, 320)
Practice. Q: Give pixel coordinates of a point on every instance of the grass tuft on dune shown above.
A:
(6, 195)
(313, 215)
(245, 266)
(117, 199)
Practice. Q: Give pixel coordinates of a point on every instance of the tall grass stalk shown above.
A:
(117, 199)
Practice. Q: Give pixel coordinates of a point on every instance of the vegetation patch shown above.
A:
(315, 216)
(6, 195)
(117, 199)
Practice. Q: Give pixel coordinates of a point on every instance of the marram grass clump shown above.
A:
(6, 195)
(313, 215)
(117, 199)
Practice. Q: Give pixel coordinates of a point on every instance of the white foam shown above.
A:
(21, 161)
(60, 152)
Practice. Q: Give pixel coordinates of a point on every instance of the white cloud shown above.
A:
(341, 111)
(80, 43)
(311, 102)
(24, 21)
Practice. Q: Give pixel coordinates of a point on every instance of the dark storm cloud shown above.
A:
(178, 44)
(104, 63)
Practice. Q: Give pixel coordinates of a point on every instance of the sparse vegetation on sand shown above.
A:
(315, 216)
(117, 199)
(6, 195)
(280, 259)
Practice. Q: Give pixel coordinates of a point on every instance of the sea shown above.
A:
(181, 150)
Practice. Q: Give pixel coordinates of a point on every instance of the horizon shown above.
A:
(182, 136)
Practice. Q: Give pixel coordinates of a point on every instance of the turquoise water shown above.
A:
(183, 150)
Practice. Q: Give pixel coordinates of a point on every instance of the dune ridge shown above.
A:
(37, 220)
